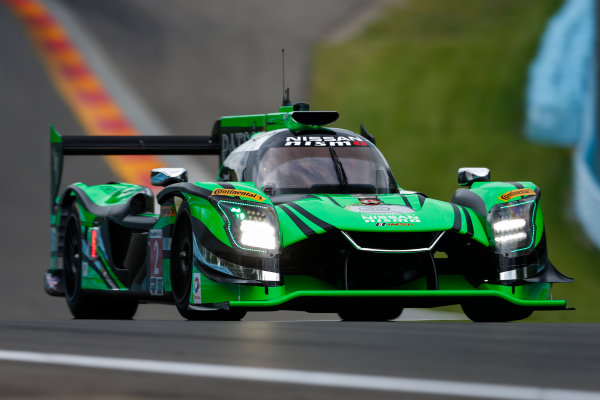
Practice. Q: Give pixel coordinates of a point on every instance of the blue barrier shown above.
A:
(558, 75)
(561, 101)
(586, 183)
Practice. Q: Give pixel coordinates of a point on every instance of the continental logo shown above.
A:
(238, 193)
(516, 193)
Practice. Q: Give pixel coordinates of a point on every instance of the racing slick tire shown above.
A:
(182, 265)
(84, 305)
(370, 314)
(494, 311)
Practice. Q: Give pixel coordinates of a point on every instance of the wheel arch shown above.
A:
(483, 197)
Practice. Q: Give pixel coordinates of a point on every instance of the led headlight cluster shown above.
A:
(258, 234)
(512, 227)
(251, 227)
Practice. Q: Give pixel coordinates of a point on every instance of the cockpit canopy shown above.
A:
(313, 161)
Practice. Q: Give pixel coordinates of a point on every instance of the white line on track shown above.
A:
(309, 378)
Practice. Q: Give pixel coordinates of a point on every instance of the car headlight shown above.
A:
(257, 234)
(251, 227)
(512, 227)
(233, 270)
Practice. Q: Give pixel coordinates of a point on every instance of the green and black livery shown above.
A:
(302, 217)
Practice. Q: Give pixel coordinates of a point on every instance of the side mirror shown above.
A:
(466, 176)
(168, 176)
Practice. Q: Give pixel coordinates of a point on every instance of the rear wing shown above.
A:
(227, 134)
(61, 146)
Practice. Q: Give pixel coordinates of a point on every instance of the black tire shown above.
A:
(182, 266)
(495, 312)
(81, 304)
(370, 314)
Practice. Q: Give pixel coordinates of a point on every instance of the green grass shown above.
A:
(440, 83)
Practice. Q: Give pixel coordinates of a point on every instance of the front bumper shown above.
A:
(332, 300)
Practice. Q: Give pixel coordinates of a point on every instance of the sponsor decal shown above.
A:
(156, 286)
(516, 193)
(394, 224)
(387, 209)
(84, 268)
(51, 281)
(238, 193)
(168, 211)
(324, 141)
(370, 202)
(156, 272)
(196, 288)
(229, 141)
(390, 219)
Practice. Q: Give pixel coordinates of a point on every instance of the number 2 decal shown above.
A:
(156, 278)
(155, 258)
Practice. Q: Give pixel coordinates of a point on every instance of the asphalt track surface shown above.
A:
(530, 355)
(191, 63)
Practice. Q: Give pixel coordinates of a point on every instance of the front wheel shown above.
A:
(182, 266)
(494, 312)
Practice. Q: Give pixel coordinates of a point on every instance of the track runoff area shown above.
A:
(80, 87)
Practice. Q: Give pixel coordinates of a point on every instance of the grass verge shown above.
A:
(441, 85)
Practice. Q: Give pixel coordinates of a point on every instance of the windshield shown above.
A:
(356, 169)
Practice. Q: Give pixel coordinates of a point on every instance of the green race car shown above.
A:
(302, 217)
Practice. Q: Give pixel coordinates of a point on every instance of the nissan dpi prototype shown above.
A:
(302, 217)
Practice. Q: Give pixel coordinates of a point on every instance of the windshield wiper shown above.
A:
(339, 169)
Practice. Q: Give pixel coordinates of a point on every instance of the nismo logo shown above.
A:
(323, 141)
(516, 193)
(390, 219)
(238, 193)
